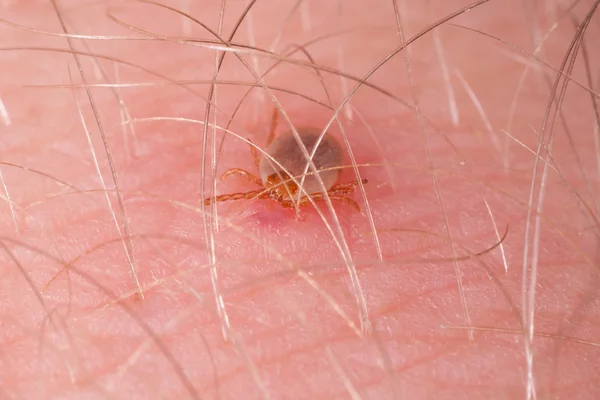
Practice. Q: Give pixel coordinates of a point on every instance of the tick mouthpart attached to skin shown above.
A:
(275, 180)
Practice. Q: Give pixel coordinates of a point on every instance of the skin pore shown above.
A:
(117, 119)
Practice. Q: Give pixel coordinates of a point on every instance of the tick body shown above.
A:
(275, 180)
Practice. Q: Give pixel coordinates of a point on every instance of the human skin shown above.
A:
(471, 271)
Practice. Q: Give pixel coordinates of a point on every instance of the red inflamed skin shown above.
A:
(280, 199)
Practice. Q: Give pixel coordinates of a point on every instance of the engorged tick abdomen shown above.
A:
(286, 151)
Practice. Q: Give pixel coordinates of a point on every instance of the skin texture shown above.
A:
(467, 138)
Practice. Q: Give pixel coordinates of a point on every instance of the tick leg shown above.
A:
(243, 173)
(304, 201)
(260, 193)
(346, 200)
(345, 188)
(341, 190)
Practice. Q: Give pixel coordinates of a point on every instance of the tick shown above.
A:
(277, 185)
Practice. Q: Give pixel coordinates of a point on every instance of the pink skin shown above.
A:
(294, 320)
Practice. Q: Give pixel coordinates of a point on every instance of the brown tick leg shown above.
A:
(243, 173)
(260, 193)
(341, 190)
(346, 200)
(304, 201)
(345, 188)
